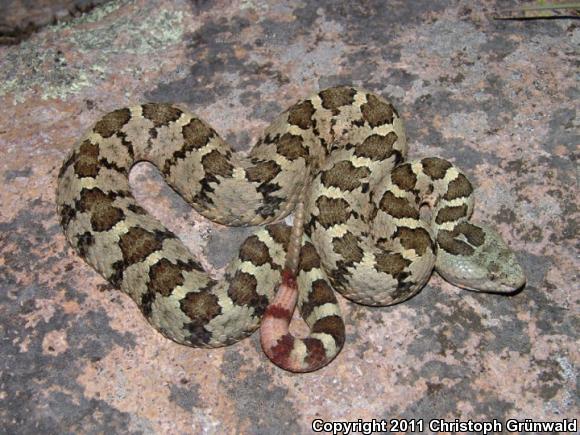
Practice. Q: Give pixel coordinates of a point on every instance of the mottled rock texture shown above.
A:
(497, 98)
(20, 18)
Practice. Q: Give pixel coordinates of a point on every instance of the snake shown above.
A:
(367, 222)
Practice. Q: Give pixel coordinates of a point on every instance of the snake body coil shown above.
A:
(340, 153)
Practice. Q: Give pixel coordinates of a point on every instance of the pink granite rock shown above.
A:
(497, 98)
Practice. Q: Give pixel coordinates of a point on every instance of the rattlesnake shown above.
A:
(339, 155)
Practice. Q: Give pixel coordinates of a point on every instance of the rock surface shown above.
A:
(497, 98)
(20, 18)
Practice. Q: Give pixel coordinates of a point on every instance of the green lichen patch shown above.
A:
(68, 57)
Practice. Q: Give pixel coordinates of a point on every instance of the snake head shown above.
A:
(483, 263)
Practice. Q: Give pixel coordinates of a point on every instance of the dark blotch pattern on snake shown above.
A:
(339, 156)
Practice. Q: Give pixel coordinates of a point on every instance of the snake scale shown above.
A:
(337, 159)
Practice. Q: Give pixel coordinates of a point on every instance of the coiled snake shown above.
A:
(336, 157)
